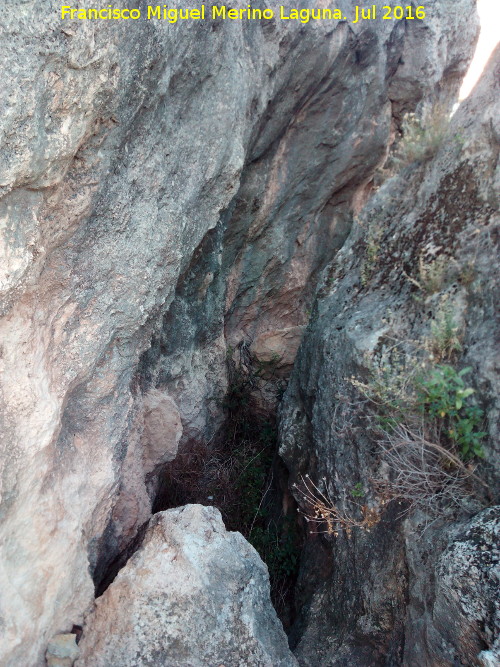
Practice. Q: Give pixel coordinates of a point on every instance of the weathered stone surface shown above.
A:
(399, 594)
(278, 347)
(125, 147)
(461, 622)
(62, 651)
(193, 595)
(153, 441)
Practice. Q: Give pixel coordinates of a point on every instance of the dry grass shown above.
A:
(425, 474)
(422, 136)
(322, 512)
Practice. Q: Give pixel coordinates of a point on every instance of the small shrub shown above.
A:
(322, 511)
(372, 250)
(445, 340)
(421, 136)
(424, 473)
(431, 275)
(427, 424)
(467, 274)
(390, 387)
(357, 490)
(443, 396)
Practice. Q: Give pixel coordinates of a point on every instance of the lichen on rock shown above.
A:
(169, 192)
(192, 595)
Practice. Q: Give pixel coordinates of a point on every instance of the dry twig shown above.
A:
(322, 511)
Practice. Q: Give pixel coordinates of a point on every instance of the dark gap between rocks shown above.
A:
(241, 474)
(114, 566)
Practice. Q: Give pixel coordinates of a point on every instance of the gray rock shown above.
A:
(62, 651)
(164, 188)
(193, 595)
(399, 593)
(462, 621)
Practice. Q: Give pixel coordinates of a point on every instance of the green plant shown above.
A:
(445, 338)
(277, 546)
(427, 423)
(357, 490)
(443, 396)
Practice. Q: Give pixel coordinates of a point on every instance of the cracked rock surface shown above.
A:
(193, 595)
(414, 590)
(165, 190)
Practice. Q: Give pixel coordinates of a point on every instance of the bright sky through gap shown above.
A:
(489, 16)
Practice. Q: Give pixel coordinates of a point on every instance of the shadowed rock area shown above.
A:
(411, 588)
(175, 197)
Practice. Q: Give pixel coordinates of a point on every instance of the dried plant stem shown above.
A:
(322, 511)
(425, 474)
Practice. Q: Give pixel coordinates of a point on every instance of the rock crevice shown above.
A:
(168, 192)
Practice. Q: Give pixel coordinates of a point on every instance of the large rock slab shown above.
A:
(399, 593)
(193, 595)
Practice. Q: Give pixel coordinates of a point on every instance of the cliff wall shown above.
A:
(166, 190)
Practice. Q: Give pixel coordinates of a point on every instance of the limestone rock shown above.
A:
(463, 619)
(153, 441)
(162, 430)
(62, 651)
(399, 593)
(193, 595)
(278, 347)
(164, 188)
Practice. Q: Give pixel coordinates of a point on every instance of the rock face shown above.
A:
(166, 190)
(416, 590)
(193, 595)
(62, 651)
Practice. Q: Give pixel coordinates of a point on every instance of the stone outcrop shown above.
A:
(62, 651)
(414, 589)
(166, 190)
(193, 595)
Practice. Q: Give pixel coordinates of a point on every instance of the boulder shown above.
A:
(193, 595)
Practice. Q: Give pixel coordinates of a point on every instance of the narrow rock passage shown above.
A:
(172, 197)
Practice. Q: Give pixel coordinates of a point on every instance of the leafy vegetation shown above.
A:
(357, 490)
(428, 425)
(443, 396)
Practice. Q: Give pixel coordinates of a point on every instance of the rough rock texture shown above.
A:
(460, 620)
(155, 177)
(421, 590)
(62, 651)
(193, 595)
